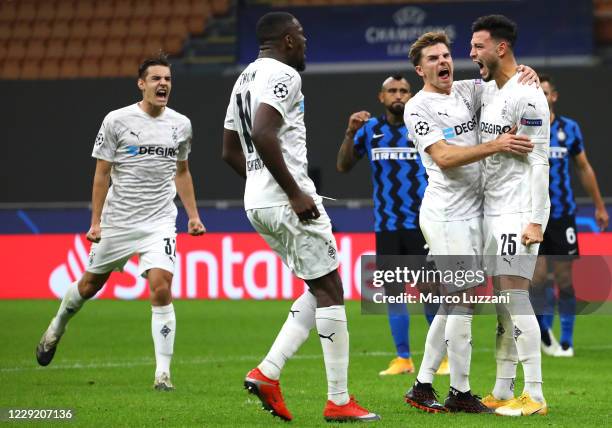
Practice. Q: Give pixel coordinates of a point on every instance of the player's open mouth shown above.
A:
(161, 93)
(481, 66)
(444, 74)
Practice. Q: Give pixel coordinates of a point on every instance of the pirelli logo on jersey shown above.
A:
(394, 153)
(558, 152)
(167, 152)
(493, 128)
(462, 128)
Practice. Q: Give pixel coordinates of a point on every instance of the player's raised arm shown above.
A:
(348, 156)
(99, 191)
(268, 122)
(232, 152)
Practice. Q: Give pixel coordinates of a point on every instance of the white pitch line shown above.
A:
(214, 360)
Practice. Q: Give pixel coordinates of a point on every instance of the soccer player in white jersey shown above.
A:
(442, 119)
(516, 208)
(264, 141)
(143, 148)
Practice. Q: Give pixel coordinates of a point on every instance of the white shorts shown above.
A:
(156, 248)
(308, 248)
(455, 245)
(504, 252)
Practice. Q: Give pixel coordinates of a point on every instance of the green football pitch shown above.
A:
(104, 368)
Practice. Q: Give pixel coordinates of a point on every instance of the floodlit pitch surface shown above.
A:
(104, 368)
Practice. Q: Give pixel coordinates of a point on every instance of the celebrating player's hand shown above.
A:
(304, 206)
(195, 227)
(356, 121)
(602, 218)
(94, 234)
(528, 75)
(509, 142)
(532, 234)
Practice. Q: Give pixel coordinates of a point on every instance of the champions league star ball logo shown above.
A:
(99, 139)
(280, 90)
(421, 128)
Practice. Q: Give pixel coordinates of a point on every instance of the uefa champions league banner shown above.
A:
(219, 266)
(385, 32)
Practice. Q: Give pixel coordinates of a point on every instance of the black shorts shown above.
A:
(560, 238)
(401, 242)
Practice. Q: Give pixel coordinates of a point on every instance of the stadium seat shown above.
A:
(60, 29)
(133, 48)
(153, 45)
(74, 49)
(98, 28)
(45, 11)
(84, 10)
(104, 9)
(35, 50)
(16, 50)
(3, 50)
(113, 48)
(109, 67)
(181, 8)
(55, 49)
(122, 10)
(5, 31)
(220, 7)
(177, 26)
(196, 24)
(10, 70)
(30, 69)
(119, 28)
(141, 9)
(162, 9)
(65, 10)
(26, 10)
(201, 8)
(89, 68)
(94, 48)
(21, 30)
(79, 30)
(157, 27)
(49, 69)
(137, 28)
(41, 30)
(173, 45)
(69, 69)
(128, 67)
(8, 11)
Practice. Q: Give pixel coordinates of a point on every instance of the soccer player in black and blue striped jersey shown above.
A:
(560, 240)
(399, 181)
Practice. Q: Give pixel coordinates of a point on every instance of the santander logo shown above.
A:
(216, 266)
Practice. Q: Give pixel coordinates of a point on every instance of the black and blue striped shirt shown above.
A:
(398, 175)
(565, 141)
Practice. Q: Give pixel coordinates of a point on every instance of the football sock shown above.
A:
(293, 334)
(333, 332)
(537, 295)
(567, 315)
(505, 355)
(527, 338)
(163, 329)
(548, 315)
(435, 348)
(71, 303)
(399, 321)
(458, 337)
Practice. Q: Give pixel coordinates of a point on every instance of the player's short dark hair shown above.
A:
(426, 40)
(160, 59)
(273, 26)
(397, 76)
(499, 26)
(546, 78)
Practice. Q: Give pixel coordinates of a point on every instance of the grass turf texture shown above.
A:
(104, 368)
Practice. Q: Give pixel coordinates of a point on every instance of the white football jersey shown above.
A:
(454, 193)
(508, 178)
(271, 82)
(144, 151)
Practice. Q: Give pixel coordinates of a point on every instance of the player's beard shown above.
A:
(491, 70)
(301, 65)
(397, 109)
